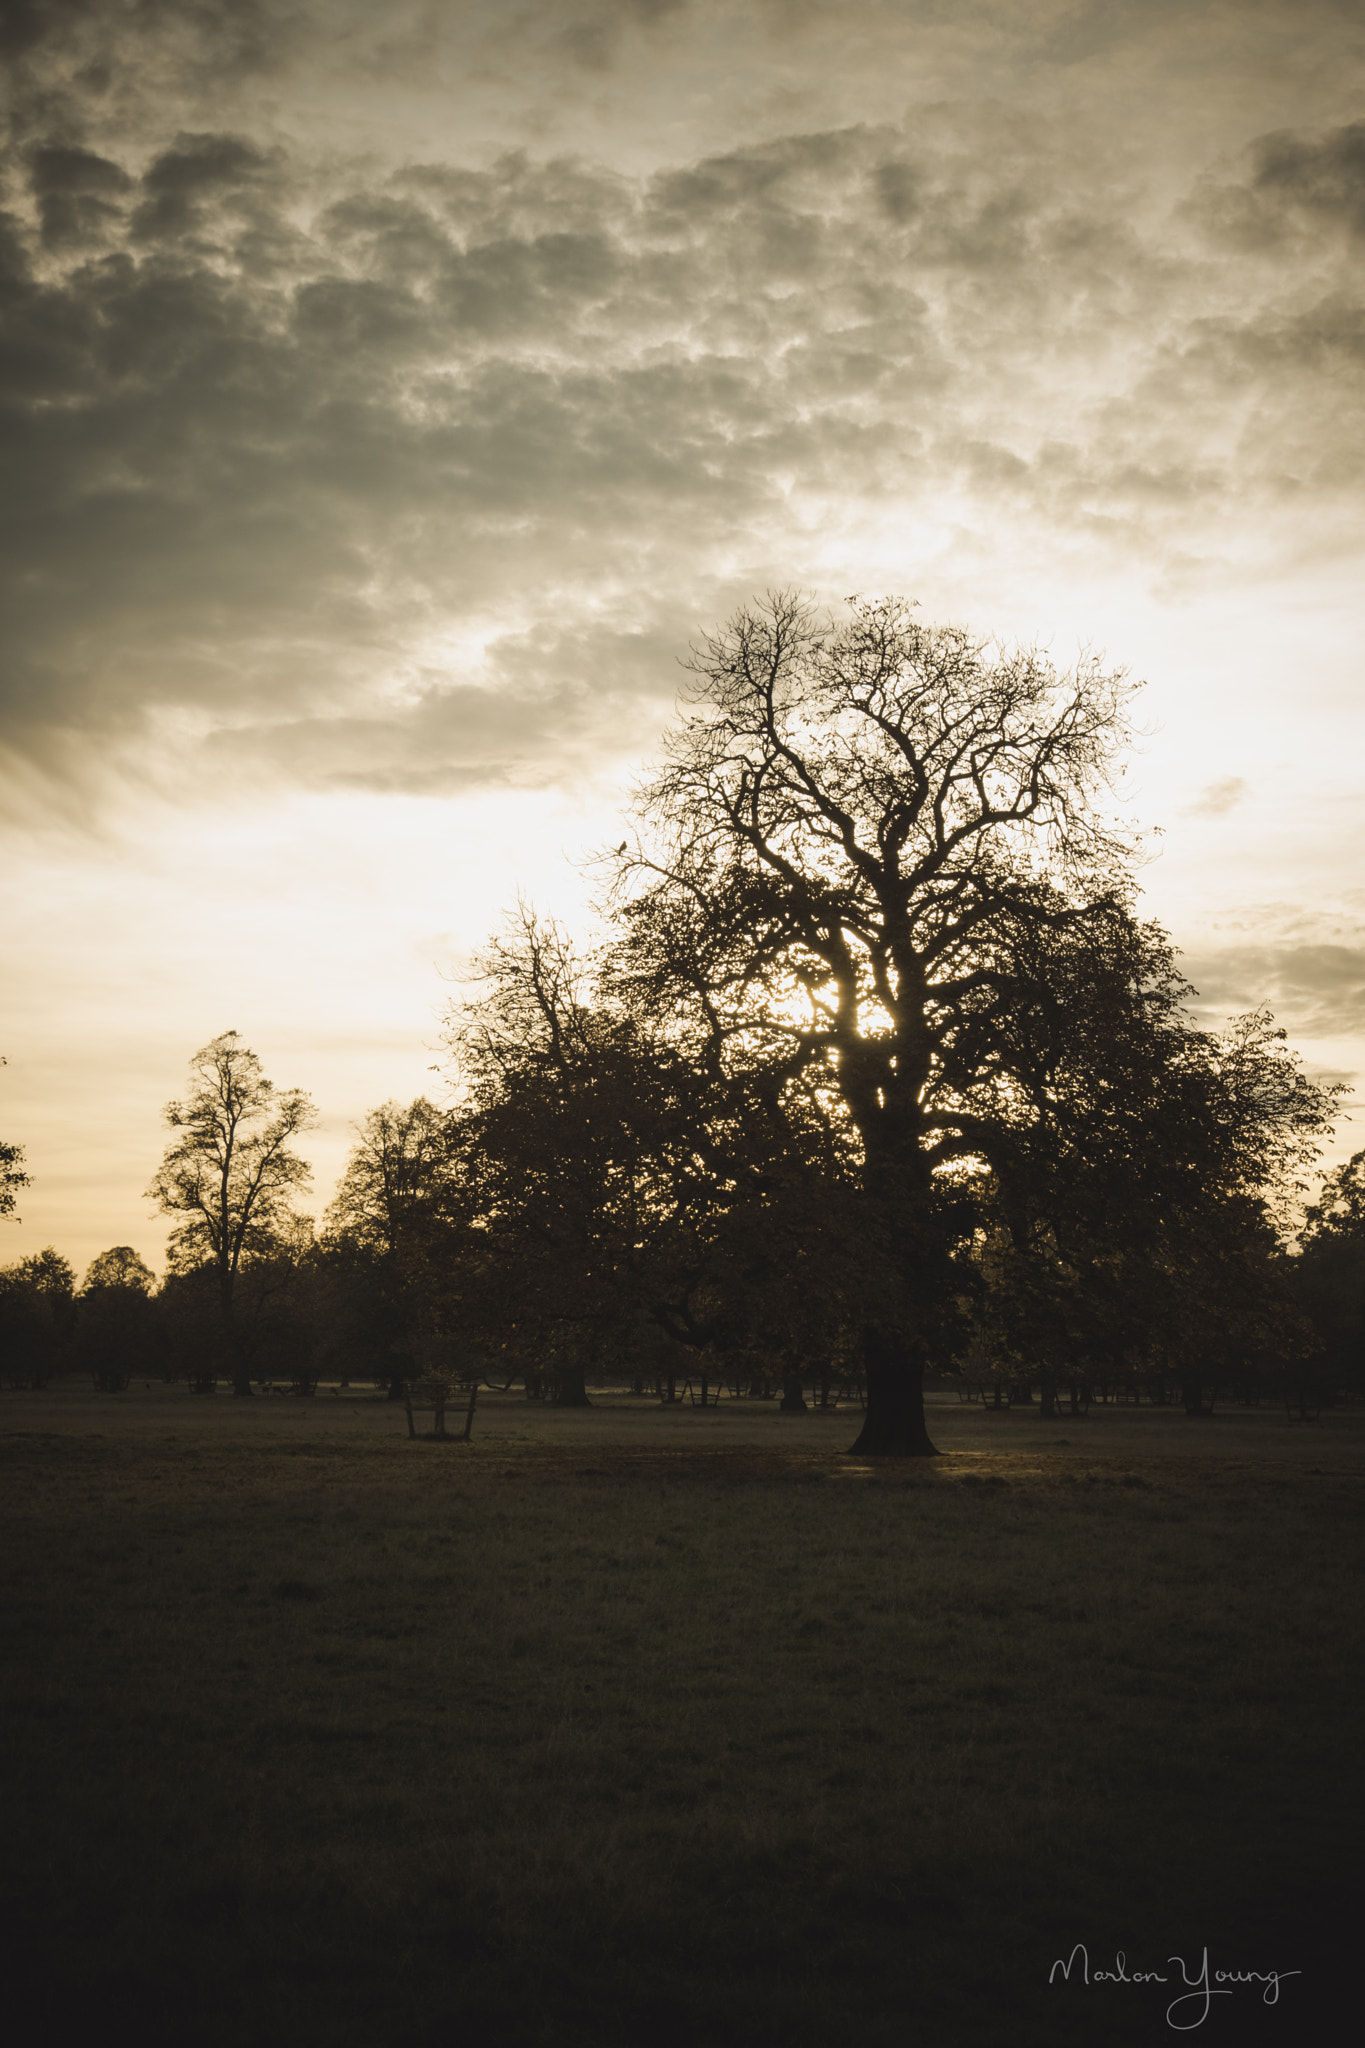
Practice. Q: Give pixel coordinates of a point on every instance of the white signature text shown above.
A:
(1190, 2008)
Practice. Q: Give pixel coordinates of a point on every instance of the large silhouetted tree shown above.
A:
(875, 1046)
(883, 860)
(858, 827)
(229, 1173)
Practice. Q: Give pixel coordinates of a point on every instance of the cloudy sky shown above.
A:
(391, 391)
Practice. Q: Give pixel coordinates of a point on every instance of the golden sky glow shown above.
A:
(391, 392)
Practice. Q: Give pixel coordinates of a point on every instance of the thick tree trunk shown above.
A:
(793, 1395)
(894, 1425)
(1047, 1405)
(572, 1392)
(238, 1371)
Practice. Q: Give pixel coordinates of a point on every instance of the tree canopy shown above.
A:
(121, 1267)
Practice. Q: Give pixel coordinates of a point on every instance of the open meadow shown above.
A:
(640, 1726)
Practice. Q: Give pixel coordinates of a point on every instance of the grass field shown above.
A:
(632, 1727)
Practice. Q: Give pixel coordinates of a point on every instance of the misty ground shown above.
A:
(635, 1725)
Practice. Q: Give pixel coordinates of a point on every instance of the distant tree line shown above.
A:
(874, 1074)
(417, 1271)
(388, 1311)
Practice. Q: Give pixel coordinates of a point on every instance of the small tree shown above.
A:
(120, 1266)
(386, 1231)
(12, 1175)
(114, 1318)
(35, 1317)
(392, 1178)
(230, 1174)
(1327, 1280)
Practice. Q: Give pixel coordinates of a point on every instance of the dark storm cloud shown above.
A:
(1322, 178)
(221, 478)
(413, 476)
(1291, 187)
(80, 60)
(219, 35)
(185, 187)
(592, 35)
(255, 33)
(78, 194)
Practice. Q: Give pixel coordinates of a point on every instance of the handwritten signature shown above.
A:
(1195, 2002)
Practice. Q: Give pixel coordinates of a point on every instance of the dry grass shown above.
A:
(592, 1734)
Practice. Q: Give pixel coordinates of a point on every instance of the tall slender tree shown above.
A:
(387, 1226)
(229, 1173)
